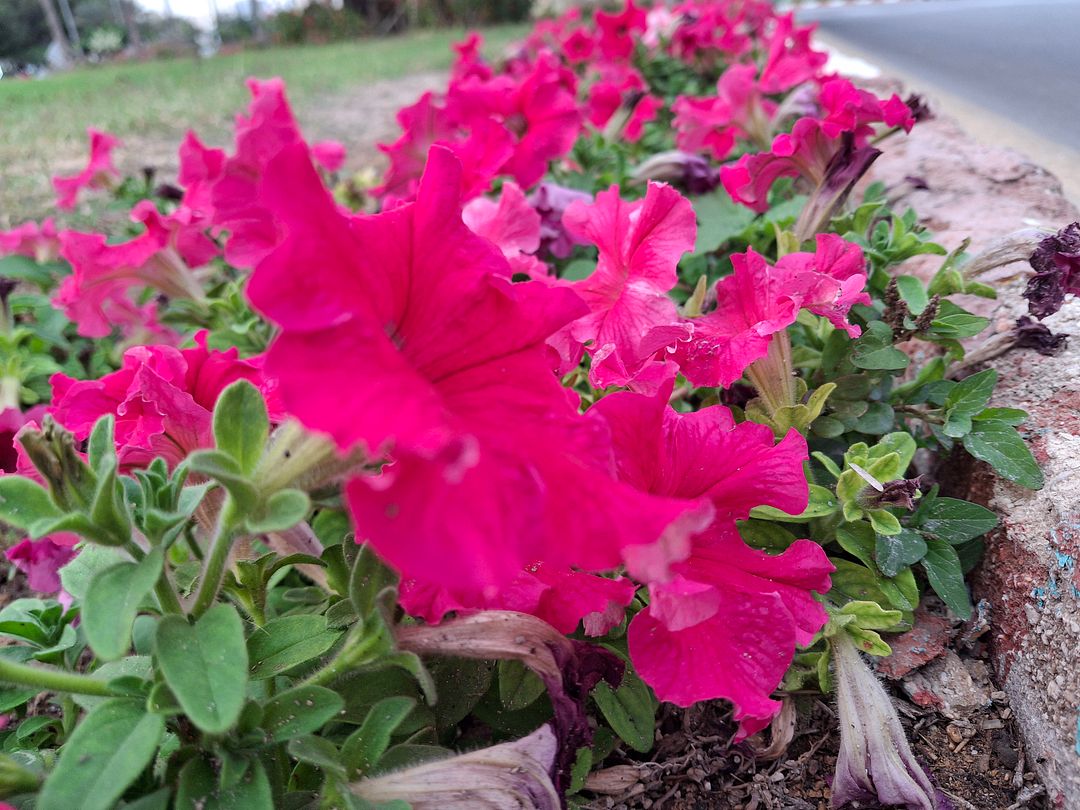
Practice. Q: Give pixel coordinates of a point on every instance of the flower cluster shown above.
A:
(570, 358)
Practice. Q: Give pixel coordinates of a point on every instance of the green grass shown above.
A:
(43, 122)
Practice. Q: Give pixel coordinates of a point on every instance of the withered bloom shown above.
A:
(569, 669)
(875, 762)
(510, 776)
(1030, 334)
(693, 173)
(1056, 263)
(843, 172)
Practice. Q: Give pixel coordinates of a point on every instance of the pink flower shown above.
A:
(631, 317)
(725, 622)
(579, 46)
(739, 109)
(512, 225)
(99, 172)
(97, 294)
(163, 399)
(849, 109)
(329, 154)
(618, 31)
(758, 300)
(790, 60)
(200, 168)
(469, 62)
(41, 560)
(38, 242)
(564, 599)
(483, 148)
(400, 333)
(268, 127)
(806, 151)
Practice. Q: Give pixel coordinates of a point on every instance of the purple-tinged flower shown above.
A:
(875, 762)
(1056, 262)
(693, 173)
(569, 669)
(550, 201)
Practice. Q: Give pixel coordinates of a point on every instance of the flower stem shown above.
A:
(50, 679)
(214, 567)
(353, 654)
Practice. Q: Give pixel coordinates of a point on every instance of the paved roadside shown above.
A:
(1012, 94)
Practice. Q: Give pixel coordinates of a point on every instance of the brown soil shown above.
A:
(978, 760)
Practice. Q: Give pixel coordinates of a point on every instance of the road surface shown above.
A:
(1015, 63)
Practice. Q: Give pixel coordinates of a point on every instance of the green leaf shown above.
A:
(519, 686)
(946, 576)
(23, 268)
(227, 472)
(857, 539)
(894, 553)
(957, 521)
(720, 219)
(868, 641)
(319, 752)
(630, 710)
(241, 424)
(1010, 416)
(101, 445)
(955, 323)
(286, 642)
(91, 560)
(967, 398)
(199, 787)
(1000, 446)
(364, 747)
(283, 510)
(579, 269)
(205, 665)
(870, 615)
(303, 710)
(913, 293)
(137, 667)
(105, 754)
(112, 603)
(875, 350)
(765, 535)
(24, 502)
(822, 502)
(369, 577)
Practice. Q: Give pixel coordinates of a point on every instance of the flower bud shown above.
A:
(52, 451)
(691, 172)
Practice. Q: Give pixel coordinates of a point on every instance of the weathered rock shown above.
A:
(949, 686)
(921, 644)
(1029, 574)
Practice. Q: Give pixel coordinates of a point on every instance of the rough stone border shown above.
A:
(1029, 575)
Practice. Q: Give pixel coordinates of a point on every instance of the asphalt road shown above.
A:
(1019, 59)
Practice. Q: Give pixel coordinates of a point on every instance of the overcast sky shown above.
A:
(199, 10)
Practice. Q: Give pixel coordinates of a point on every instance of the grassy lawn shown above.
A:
(150, 105)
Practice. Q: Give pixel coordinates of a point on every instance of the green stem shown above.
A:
(167, 596)
(351, 656)
(50, 679)
(214, 567)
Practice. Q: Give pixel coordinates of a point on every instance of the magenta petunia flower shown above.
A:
(758, 300)
(99, 172)
(200, 168)
(163, 399)
(562, 598)
(40, 242)
(726, 620)
(619, 31)
(738, 110)
(97, 296)
(512, 225)
(401, 334)
(329, 154)
(631, 317)
(41, 560)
